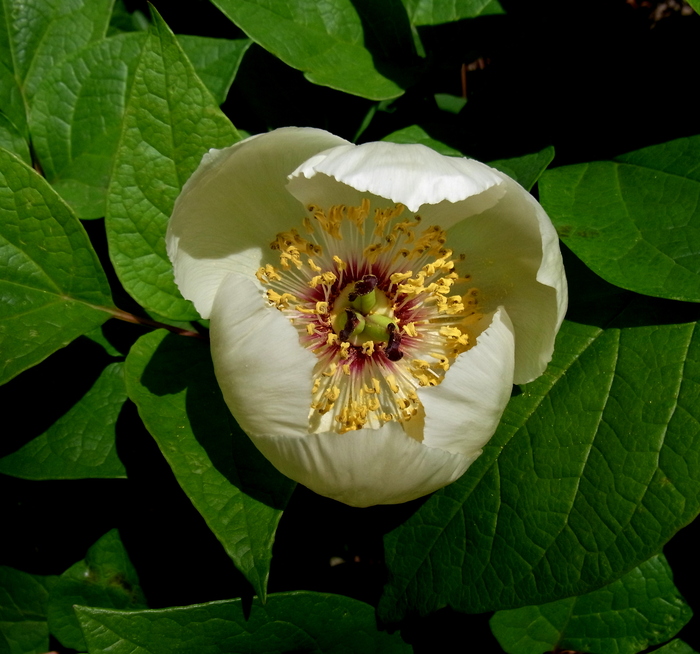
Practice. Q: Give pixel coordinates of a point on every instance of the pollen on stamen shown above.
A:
(376, 343)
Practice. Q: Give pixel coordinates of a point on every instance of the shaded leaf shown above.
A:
(634, 221)
(593, 467)
(639, 610)
(52, 285)
(216, 61)
(13, 141)
(329, 42)
(35, 37)
(170, 121)
(289, 622)
(526, 170)
(435, 12)
(676, 646)
(81, 444)
(416, 134)
(77, 116)
(23, 605)
(105, 578)
(238, 492)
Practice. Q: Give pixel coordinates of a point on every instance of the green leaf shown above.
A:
(639, 610)
(105, 578)
(526, 170)
(593, 467)
(81, 444)
(451, 103)
(416, 134)
(12, 140)
(695, 4)
(52, 285)
(216, 61)
(23, 602)
(317, 623)
(238, 492)
(435, 12)
(634, 221)
(77, 116)
(676, 646)
(327, 41)
(35, 37)
(170, 121)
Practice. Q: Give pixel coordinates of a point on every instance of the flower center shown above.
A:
(377, 309)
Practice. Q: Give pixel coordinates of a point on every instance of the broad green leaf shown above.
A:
(215, 60)
(327, 40)
(316, 623)
(124, 21)
(676, 646)
(435, 12)
(526, 170)
(170, 121)
(416, 134)
(81, 444)
(695, 4)
(52, 286)
(639, 610)
(105, 578)
(634, 221)
(451, 103)
(23, 602)
(36, 36)
(12, 140)
(77, 116)
(240, 495)
(593, 468)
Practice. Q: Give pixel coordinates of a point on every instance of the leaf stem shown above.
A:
(119, 314)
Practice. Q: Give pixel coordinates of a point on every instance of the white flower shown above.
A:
(370, 305)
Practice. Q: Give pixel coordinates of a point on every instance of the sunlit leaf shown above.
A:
(434, 12)
(12, 140)
(240, 495)
(52, 286)
(170, 121)
(593, 467)
(526, 170)
(329, 41)
(105, 578)
(316, 623)
(639, 610)
(636, 220)
(81, 444)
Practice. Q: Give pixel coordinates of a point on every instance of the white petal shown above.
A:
(364, 467)
(414, 175)
(462, 412)
(511, 250)
(234, 205)
(264, 372)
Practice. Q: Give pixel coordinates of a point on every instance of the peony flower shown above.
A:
(370, 305)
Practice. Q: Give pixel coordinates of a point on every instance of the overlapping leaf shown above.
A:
(23, 606)
(639, 610)
(52, 286)
(81, 444)
(170, 121)
(316, 623)
(105, 578)
(593, 467)
(636, 220)
(35, 37)
(333, 42)
(239, 494)
(434, 12)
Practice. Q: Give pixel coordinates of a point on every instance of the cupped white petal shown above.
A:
(413, 175)
(463, 411)
(364, 467)
(233, 206)
(511, 251)
(264, 372)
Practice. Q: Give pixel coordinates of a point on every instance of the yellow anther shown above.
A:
(315, 281)
(339, 262)
(346, 369)
(373, 404)
(310, 329)
(316, 386)
(401, 277)
(376, 385)
(420, 364)
(344, 347)
(391, 381)
(332, 393)
(307, 225)
(280, 301)
(321, 308)
(328, 278)
(313, 266)
(368, 348)
(450, 332)
(331, 371)
(442, 360)
(410, 329)
(332, 338)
